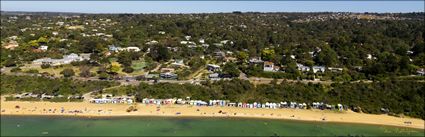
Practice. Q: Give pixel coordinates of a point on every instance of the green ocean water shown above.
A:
(185, 126)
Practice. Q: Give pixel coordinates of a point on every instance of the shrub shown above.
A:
(44, 66)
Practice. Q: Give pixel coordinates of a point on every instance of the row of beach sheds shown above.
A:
(315, 105)
(174, 101)
(115, 100)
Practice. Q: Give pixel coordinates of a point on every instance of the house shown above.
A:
(60, 23)
(67, 59)
(168, 75)
(224, 41)
(152, 42)
(421, 72)
(256, 60)
(183, 42)
(165, 70)
(213, 67)
(131, 49)
(178, 63)
(214, 76)
(112, 48)
(192, 46)
(230, 59)
(318, 69)
(187, 37)
(335, 69)
(85, 56)
(202, 41)
(268, 66)
(303, 68)
(44, 48)
(219, 54)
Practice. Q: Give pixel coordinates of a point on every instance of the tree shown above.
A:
(42, 40)
(242, 55)
(85, 71)
(231, 69)
(159, 53)
(67, 72)
(103, 75)
(327, 57)
(268, 54)
(33, 43)
(114, 68)
(128, 69)
(124, 58)
(44, 66)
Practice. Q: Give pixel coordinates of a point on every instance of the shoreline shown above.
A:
(90, 110)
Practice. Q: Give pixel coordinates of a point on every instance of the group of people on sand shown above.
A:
(62, 110)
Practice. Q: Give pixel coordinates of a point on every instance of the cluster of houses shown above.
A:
(109, 99)
(113, 48)
(271, 67)
(67, 59)
(227, 103)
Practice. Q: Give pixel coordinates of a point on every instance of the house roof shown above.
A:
(268, 63)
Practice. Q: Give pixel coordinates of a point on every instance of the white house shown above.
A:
(187, 37)
(303, 68)
(318, 69)
(152, 42)
(183, 42)
(133, 49)
(44, 48)
(268, 66)
(67, 59)
(213, 67)
(335, 69)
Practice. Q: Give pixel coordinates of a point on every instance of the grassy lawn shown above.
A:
(138, 65)
(113, 59)
(51, 70)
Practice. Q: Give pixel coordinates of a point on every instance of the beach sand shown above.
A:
(107, 110)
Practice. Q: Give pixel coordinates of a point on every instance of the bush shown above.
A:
(44, 66)
(31, 71)
(17, 69)
(128, 69)
(103, 75)
(68, 72)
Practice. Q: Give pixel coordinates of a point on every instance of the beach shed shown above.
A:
(231, 104)
(340, 107)
(240, 104)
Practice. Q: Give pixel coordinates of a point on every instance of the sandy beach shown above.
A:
(107, 110)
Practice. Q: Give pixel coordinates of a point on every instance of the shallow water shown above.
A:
(185, 126)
